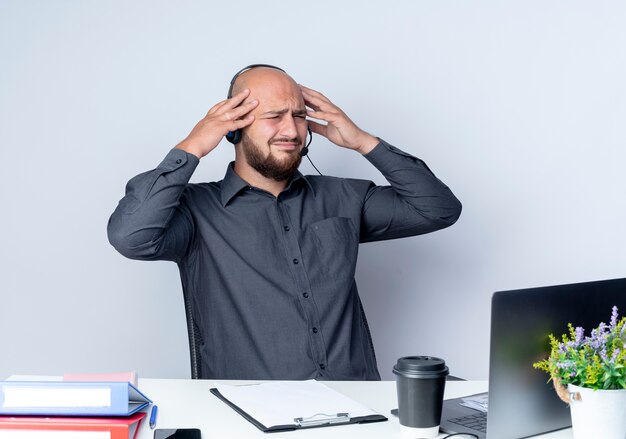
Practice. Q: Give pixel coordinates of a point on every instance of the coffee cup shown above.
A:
(420, 383)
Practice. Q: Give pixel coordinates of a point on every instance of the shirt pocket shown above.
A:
(337, 240)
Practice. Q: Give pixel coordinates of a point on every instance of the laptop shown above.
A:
(521, 402)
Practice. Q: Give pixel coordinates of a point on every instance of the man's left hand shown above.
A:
(339, 129)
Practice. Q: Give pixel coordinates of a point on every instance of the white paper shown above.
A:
(28, 397)
(477, 402)
(35, 378)
(280, 402)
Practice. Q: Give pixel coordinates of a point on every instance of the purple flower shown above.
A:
(598, 337)
(603, 354)
(564, 364)
(593, 342)
(615, 354)
(580, 333)
(614, 317)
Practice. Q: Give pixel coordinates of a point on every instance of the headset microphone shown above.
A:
(305, 150)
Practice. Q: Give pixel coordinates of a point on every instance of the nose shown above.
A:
(289, 128)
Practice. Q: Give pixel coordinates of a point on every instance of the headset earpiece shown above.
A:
(234, 137)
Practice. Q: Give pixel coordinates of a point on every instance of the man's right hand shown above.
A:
(228, 115)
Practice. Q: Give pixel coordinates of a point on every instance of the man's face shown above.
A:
(272, 143)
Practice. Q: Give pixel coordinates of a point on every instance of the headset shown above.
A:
(234, 137)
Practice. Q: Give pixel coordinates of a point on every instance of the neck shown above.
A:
(255, 179)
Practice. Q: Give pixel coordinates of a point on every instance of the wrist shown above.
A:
(368, 143)
(190, 148)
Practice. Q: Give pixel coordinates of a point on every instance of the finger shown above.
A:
(238, 112)
(323, 115)
(310, 104)
(238, 98)
(317, 128)
(243, 109)
(314, 93)
(219, 105)
(318, 103)
(242, 123)
(315, 97)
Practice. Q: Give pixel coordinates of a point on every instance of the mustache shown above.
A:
(295, 140)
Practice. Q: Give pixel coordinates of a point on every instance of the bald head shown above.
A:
(259, 78)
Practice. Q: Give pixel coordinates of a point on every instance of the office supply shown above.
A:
(153, 416)
(69, 398)
(520, 402)
(59, 427)
(421, 381)
(289, 405)
(130, 377)
(177, 433)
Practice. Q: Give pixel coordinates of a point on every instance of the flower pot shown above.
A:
(597, 413)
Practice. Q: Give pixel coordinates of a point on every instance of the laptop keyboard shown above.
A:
(476, 422)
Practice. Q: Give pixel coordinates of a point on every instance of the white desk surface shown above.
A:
(189, 404)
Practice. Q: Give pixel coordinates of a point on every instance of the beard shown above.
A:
(270, 166)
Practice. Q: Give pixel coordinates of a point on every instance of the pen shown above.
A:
(153, 415)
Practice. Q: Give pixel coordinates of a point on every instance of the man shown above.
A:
(267, 256)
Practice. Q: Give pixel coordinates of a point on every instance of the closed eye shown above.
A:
(299, 116)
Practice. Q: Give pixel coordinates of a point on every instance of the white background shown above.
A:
(519, 106)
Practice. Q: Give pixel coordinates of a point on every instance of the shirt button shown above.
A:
(286, 228)
(179, 161)
(314, 330)
(295, 261)
(322, 366)
(305, 295)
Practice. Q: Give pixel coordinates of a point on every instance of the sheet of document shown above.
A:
(477, 402)
(280, 402)
(35, 378)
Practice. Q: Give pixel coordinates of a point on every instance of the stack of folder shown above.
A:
(70, 409)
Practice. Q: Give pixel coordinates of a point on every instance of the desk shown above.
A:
(188, 403)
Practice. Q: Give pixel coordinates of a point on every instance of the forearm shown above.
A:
(416, 202)
(149, 213)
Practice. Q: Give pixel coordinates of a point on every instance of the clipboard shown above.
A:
(272, 407)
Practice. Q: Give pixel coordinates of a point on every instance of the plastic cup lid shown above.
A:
(421, 367)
